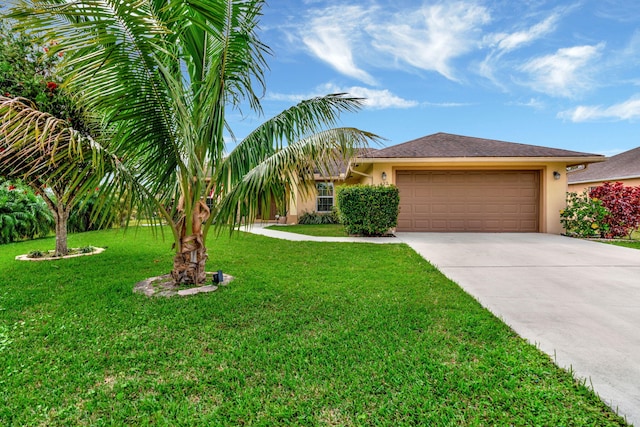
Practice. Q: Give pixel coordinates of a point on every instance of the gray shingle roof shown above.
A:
(620, 166)
(447, 145)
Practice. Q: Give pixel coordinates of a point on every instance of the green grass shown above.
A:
(313, 334)
(330, 230)
(625, 243)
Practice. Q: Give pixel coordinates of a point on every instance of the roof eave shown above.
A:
(590, 180)
(570, 161)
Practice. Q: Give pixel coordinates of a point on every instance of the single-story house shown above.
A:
(623, 167)
(451, 183)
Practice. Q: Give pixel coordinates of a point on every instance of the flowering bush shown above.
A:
(29, 70)
(623, 205)
(584, 216)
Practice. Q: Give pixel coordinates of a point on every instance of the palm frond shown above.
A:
(284, 169)
(305, 118)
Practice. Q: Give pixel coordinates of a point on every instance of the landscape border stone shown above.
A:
(26, 257)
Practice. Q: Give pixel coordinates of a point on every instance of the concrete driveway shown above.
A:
(578, 301)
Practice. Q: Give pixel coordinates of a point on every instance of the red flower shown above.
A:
(46, 49)
(97, 188)
(12, 187)
(52, 85)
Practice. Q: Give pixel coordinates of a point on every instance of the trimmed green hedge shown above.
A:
(368, 210)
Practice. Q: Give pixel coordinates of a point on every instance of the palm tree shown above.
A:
(30, 87)
(49, 155)
(161, 74)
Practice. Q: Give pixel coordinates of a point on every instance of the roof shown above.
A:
(339, 166)
(621, 166)
(445, 145)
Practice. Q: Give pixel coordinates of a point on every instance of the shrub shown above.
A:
(23, 215)
(84, 215)
(369, 210)
(623, 204)
(584, 216)
(318, 218)
(35, 254)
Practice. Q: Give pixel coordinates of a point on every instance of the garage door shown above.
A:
(487, 201)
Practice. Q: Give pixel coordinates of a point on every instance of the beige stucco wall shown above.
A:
(301, 201)
(580, 187)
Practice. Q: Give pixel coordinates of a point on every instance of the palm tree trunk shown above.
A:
(189, 262)
(191, 256)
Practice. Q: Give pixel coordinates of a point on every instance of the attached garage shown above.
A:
(469, 200)
(456, 183)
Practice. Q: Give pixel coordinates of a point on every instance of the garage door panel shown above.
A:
(438, 209)
(491, 201)
(422, 209)
(403, 178)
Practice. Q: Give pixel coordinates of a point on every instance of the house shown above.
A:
(623, 167)
(458, 183)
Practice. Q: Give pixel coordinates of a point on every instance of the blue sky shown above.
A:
(553, 73)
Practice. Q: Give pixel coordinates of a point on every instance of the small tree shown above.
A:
(29, 87)
(623, 205)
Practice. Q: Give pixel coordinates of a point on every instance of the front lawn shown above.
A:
(313, 334)
(330, 230)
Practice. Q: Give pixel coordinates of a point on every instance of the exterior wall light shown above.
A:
(556, 175)
(384, 176)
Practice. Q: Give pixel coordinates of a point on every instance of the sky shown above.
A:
(563, 74)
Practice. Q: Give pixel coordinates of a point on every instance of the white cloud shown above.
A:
(506, 42)
(332, 35)
(500, 44)
(628, 110)
(565, 73)
(428, 37)
(531, 103)
(377, 99)
(432, 36)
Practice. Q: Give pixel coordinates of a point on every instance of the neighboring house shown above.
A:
(454, 183)
(623, 167)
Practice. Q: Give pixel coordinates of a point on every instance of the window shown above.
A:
(325, 196)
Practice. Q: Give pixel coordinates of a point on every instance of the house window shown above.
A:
(325, 196)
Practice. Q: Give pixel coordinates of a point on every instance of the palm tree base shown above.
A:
(189, 263)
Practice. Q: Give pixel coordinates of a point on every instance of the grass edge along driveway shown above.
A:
(311, 334)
